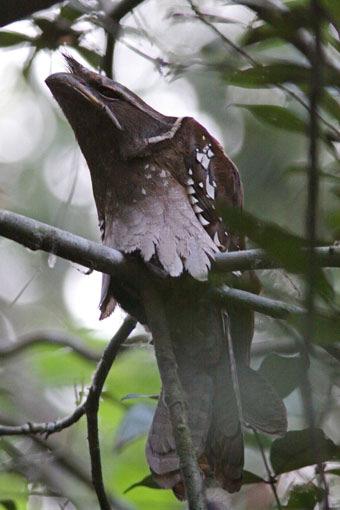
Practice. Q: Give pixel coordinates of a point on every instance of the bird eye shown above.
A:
(107, 93)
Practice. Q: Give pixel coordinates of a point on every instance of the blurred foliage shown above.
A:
(248, 65)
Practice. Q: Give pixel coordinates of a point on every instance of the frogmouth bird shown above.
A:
(157, 181)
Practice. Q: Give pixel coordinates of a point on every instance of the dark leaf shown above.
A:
(326, 327)
(302, 169)
(249, 477)
(12, 38)
(93, 58)
(69, 13)
(330, 104)
(280, 244)
(283, 23)
(283, 372)
(276, 116)
(147, 481)
(333, 8)
(295, 450)
(305, 497)
(258, 34)
(273, 74)
(8, 504)
(335, 472)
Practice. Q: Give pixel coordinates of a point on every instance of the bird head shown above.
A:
(101, 109)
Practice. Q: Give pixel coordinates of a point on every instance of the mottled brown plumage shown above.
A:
(157, 181)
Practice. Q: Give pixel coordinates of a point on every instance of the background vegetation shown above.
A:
(243, 69)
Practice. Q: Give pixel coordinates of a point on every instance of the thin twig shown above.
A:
(267, 306)
(174, 398)
(311, 226)
(92, 407)
(112, 34)
(271, 478)
(46, 428)
(50, 338)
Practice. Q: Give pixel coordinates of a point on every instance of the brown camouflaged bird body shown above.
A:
(157, 182)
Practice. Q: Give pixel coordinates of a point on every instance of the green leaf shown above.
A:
(13, 491)
(249, 477)
(69, 13)
(283, 23)
(276, 116)
(330, 104)
(333, 7)
(326, 327)
(8, 504)
(13, 38)
(130, 396)
(92, 57)
(280, 73)
(335, 472)
(295, 450)
(283, 372)
(147, 481)
(305, 497)
(280, 244)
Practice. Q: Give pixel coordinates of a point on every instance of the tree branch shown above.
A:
(174, 398)
(112, 31)
(312, 210)
(267, 306)
(92, 407)
(39, 236)
(51, 338)
(43, 428)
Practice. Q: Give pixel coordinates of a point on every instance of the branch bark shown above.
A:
(267, 306)
(39, 236)
(43, 428)
(112, 31)
(92, 408)
(51, 338)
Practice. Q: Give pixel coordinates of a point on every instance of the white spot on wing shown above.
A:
(190, 182)
(210, 189)
(237, 273)
(190, 190)
(143, 191)
(217, 240)
(203, 221)
(162, 173)
(193, 200)
(197, 209)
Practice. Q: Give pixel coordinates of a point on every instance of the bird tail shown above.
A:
(205, 371)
